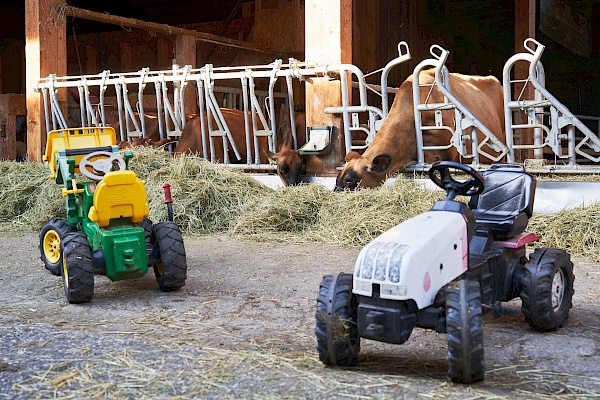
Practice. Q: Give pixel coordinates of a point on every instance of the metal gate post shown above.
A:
(290, 90)
(141, 87)
(402, 57)
(244, 83)
(46, 114)
(200, 86)
(159, 110)
(82, 111)
(271, 108)
(102, 90)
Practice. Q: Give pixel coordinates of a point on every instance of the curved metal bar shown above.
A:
(402, 57)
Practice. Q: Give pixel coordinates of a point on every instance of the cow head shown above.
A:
(289, 165)
(363, 171)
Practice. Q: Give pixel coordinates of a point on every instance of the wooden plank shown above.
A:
(91, 59)
(42, 25)
(524, 28)
(279, 27)
(11, 105)
(185, 54)
(125, 52)
(64, 9)
(365, 44)
(328, 37)
(164, 53)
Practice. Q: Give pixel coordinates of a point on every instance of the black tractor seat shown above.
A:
(506, 204)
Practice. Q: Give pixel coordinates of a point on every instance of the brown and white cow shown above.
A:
(191, 137)
(289, 161)
(394, 147)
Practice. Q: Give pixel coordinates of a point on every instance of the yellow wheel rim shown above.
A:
(52, 246)
(65, 273)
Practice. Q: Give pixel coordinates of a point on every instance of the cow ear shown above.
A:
(351, 156)
(381, 163)
(271, 155)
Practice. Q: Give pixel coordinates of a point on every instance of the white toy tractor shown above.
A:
(443, 269)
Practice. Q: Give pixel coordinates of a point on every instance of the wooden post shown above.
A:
(185, 54)
(1, 75)
(524, 28)
(125, 54)
(91, 59)
(42, 26)
(164, 53)
(328, 40)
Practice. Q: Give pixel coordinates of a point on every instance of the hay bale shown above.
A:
(212, 198)
(286, 214)
(576, 230)
(27, 196)
(356, 218)
(206, 197)
(313, 213)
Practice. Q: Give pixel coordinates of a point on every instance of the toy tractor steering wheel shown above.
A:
(440, 175)
(105, 163)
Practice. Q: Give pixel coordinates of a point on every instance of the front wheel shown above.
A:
(465, 332)
(338, 342)
(547, 289)
(50, 237)
(78, 269)
(171, 266)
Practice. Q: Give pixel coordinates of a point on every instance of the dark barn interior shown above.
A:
(480, 36)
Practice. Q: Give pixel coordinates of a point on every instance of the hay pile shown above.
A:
(27, 196)
(209, 199)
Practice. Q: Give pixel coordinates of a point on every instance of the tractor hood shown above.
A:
(415, 259)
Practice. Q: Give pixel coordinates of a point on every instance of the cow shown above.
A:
(289, 161)
(191, 138)
(394, 147)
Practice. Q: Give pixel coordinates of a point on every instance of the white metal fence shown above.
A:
(573, 147)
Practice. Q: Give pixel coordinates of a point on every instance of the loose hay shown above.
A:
(210, 199)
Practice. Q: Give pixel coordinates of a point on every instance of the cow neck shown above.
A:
(397, 135)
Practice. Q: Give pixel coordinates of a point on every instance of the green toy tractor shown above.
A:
(106, 230)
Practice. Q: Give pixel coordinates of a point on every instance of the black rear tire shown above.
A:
(547, 289)
(338, 342)
(146, 224)
(171, 269)
(78, 269)
(465, 332)
(50, 237)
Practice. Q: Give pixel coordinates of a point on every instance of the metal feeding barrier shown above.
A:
(553, 125)
(169, 88)
(465, 123)
(574, 147)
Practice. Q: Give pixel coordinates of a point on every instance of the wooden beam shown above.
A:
(185, 54)
(328, 39)
(46, 53)
(76, 12)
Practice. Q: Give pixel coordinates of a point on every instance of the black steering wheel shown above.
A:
(103, 163)
(441, 176)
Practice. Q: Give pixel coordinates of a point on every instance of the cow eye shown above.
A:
(284, 169)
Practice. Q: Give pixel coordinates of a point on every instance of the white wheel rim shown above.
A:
(558, 289)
